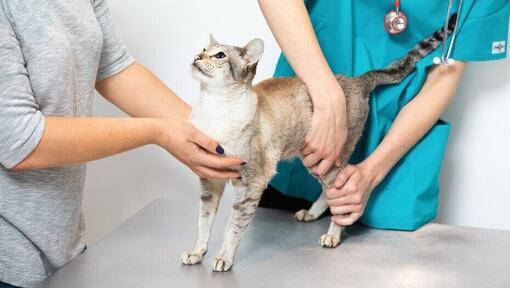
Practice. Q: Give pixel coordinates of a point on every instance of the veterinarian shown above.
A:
(394, 180)
(52, 55)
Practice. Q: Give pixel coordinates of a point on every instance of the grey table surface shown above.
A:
(277, 251)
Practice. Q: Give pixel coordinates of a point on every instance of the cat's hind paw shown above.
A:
(329, 241)
(190, 258)
(221, 265)
(305, 216)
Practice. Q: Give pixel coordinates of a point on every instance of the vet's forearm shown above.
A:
(139, 93)
(416, 119)
(290, 23)
(77, 140)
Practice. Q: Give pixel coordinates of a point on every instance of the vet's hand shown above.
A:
(349, 194)
(199, 152)
(328, 133)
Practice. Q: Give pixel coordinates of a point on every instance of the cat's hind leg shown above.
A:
(333, 237)
(209, 200)
(318, 207)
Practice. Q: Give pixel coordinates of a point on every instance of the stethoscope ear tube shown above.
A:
(439, 61)
(446, 54)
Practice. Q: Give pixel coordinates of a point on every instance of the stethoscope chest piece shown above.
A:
(395, 21)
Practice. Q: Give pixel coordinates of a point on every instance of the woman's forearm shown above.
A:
(293, 30)
(76, 140)
(290, 23)
(139, 93)
(416, 119)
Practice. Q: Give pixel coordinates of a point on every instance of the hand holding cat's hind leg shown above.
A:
(318, 207)
(209, 201)
(333, 237)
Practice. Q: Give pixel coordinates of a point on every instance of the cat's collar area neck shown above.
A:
(227, 89)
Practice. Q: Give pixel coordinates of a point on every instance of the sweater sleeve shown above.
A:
(114, 55)
(21, 121)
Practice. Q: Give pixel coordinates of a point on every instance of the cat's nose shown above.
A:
(202, 56)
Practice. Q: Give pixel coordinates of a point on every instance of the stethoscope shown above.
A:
(395, 22)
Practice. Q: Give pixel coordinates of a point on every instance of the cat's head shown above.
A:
(225, 65)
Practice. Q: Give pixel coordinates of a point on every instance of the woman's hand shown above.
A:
(196, 150)
(349, 194)
(328, 132)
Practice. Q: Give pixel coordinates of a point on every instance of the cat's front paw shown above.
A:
(190, 258)
(221, 265)
(329, 241)
(305, 216)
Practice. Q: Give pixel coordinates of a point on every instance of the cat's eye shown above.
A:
(219, 55)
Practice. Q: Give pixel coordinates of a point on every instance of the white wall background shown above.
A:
(164, 35)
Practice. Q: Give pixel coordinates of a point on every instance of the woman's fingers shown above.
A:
(345, 209)
(306, 150)
(311, 159)
(349, 186)
(206, 142)
(207, 173)
(323, 167)
(344, 175)
(204, 158)
(201, 153)
(346, 220)
(209, 165)
(349, 199)
(209, 156)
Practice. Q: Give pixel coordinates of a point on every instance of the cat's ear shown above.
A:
(212, 41)
(253, 51)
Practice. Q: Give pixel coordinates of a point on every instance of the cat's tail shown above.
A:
(399, 69)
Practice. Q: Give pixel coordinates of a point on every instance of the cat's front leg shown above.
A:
(243, 210)
(209, 200)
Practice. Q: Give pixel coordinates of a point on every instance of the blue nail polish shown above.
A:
(220, 150)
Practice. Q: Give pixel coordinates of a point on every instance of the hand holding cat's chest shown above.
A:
(225, 123)
(230, 135)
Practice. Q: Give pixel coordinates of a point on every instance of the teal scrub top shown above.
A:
(353, 39)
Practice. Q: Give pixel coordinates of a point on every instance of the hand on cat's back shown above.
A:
(348, 196)
(328, 131)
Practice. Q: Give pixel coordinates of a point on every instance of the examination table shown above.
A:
(277, 251)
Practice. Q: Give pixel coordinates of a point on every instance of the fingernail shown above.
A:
(244, 163)
(220, 150)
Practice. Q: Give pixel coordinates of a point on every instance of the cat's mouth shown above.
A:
(197, 68)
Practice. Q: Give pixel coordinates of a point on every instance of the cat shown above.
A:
(266, 123)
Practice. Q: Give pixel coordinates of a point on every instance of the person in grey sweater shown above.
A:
(53, 55)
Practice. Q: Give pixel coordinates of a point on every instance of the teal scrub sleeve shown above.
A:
(484, 34)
